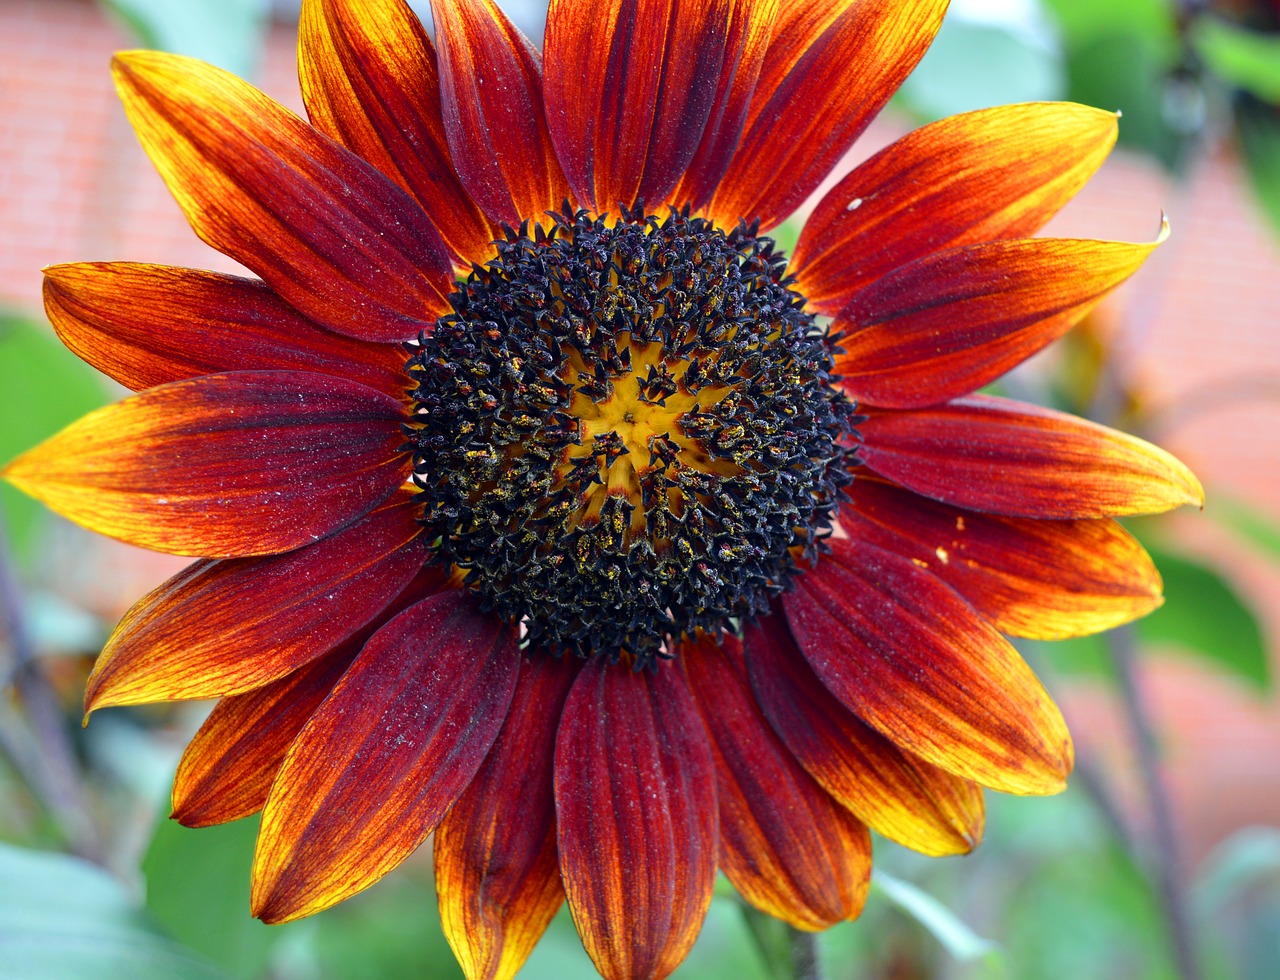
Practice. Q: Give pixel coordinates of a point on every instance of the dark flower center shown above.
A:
(627, 432)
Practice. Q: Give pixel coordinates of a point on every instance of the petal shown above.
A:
(897, 794)
(326, 230)
(630, 85)
(369, 81)
(147, 325)
(914, 661)
(830, 67)
(228, 465)
(750, 27)
(977, 177)
(491, 92)
(384, 757)
(497, 873)
(1022, 460)
(636, 818)
(1040, 579)
(788, 848)
(224, 627)
(227, 769)
(954, 321)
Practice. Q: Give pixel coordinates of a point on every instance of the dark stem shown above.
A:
(50, 768)
(1168, 869)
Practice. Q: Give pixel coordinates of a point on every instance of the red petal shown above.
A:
(1040, 579)
(385, 756)
(898, 795)
(636, 815)
(147, 325)
(750, 26)
(977, 177)
(227, 769)
(830, 67)
(630, 85)
(788, 848)
(1011, 458)
(326, 230)
(491, 90)
(497, 873)
(228, 465)
(223, 627)
(914, 661)
(369, 80)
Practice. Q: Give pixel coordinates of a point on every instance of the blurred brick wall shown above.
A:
(1202, 315)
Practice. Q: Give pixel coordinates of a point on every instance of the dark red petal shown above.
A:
(830, 67)
(147, 325)
(951, 322)
(788, 848)
(228, 767)
(898, 795)
(630, 85)
(750, 26)
(1040, 579)
(369, 80)
(224, 627)
(917, 663)
(1021, 460)
(385, 756)
(497, 872)
(977, 177)
(325, 229)
(491, 92)
(225, 466)
(636, 817)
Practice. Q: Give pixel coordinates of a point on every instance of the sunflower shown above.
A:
(542, 503)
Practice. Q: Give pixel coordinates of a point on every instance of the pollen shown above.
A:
(627, 431)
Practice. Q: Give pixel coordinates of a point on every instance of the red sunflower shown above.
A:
(540, 502)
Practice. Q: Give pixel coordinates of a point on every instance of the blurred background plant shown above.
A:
(1161, 860)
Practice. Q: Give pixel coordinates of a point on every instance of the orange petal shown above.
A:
(147, 325)
(1022, 460)
(954, 321)
(788, 848)
(326, 230)
(224, 627)
(226, 466)
(230, 764)
(385, 756)
(497, 873)
(1041, 579)
(630, 85)
(491, 90)
(897, 794)
(369, 80)
(914, 661)
(750, 26)
(977, 177)
(830, 67)
(636, 818)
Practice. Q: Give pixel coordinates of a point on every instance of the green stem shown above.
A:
(788, 954)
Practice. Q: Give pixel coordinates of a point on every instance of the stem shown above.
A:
(1122, 648)
(50, 768)
(788, 953)
(805, 960)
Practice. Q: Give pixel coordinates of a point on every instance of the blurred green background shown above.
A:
(1171, 827)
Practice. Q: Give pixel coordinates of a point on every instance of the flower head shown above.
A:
(541, 502)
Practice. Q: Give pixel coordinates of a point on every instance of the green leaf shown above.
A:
(1252, 525)
(956, 937)
(1203, 614)
(1243, 58)
(227, 33)
(198, 887)
(64, 919)
(974, 66)
(1258, 127)
(43, 387)
(1082, 21)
